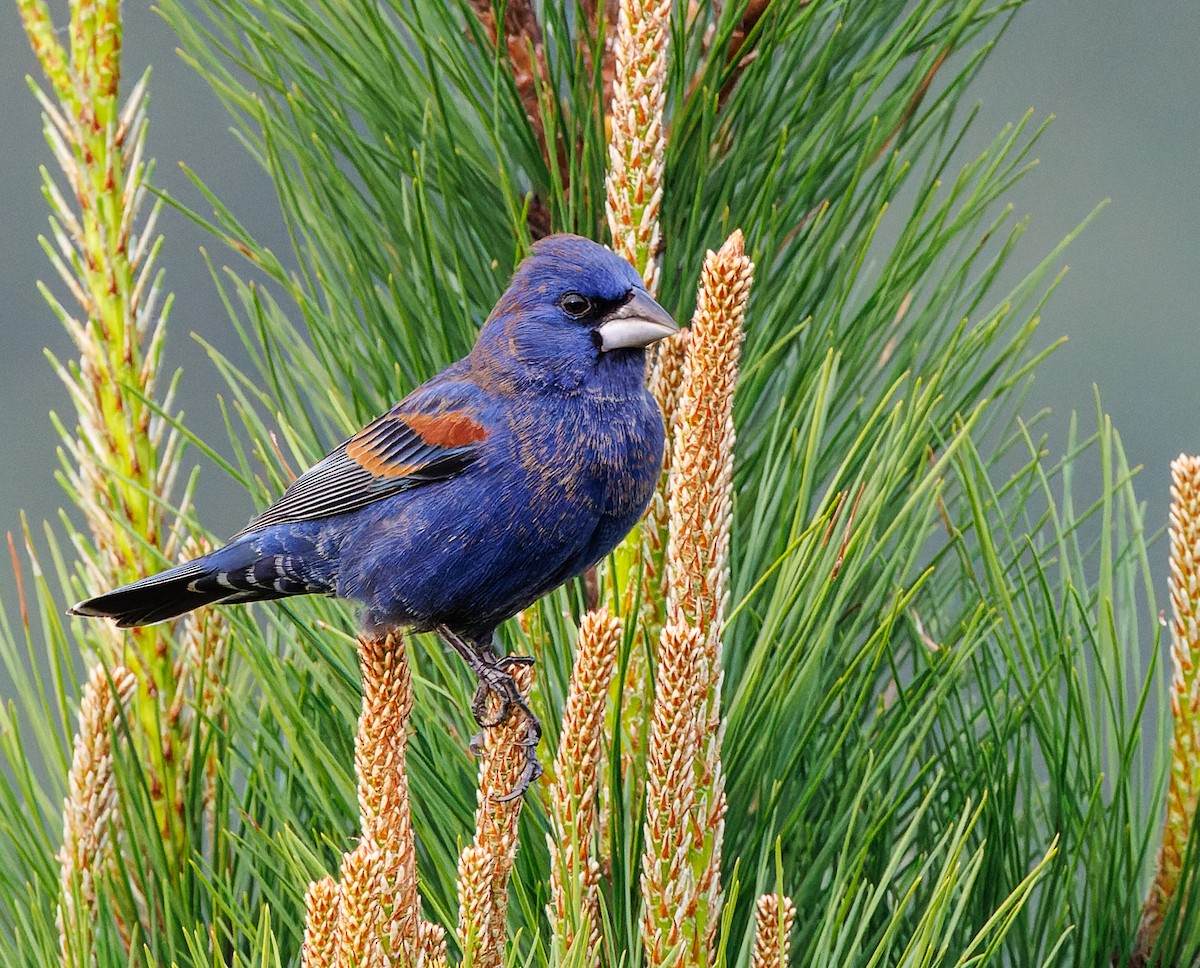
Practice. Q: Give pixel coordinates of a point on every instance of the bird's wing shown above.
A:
(433, 434)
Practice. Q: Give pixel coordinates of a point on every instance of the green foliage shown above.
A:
(940, 742)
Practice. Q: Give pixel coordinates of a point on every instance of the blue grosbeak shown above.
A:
(508, 473)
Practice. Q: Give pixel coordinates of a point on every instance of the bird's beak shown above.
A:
(638, 322)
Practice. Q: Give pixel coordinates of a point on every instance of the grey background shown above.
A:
(1123, 80)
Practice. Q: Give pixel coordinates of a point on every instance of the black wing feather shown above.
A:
(384, 458)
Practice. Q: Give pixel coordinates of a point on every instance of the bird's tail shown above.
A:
(239, 572)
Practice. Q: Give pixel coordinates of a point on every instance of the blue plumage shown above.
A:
(512, 471)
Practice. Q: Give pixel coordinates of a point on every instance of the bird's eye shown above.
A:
(573, 304)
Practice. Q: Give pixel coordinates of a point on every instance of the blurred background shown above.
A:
(1122, 80)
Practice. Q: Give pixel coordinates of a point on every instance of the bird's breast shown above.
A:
(593, 454)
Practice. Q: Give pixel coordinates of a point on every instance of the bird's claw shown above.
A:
(476, 744)
(531, 771)
(496, 679)
(479, 708)
(533, 734)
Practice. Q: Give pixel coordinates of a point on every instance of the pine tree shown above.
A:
(863, 688)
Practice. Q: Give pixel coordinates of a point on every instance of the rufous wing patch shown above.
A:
(400, 445)
(359, 450)
(376, 448)
(454, 429)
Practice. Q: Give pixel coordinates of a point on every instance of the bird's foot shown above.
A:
(532, 769)
(496, 679)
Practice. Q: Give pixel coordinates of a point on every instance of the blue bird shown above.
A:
(510, 472)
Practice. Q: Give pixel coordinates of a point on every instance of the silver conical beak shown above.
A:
(635, 324)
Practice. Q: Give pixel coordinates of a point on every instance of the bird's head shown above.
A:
(574, 310)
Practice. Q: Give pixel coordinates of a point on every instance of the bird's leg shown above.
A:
(482, 657)
(489, 655)
(496, 678)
